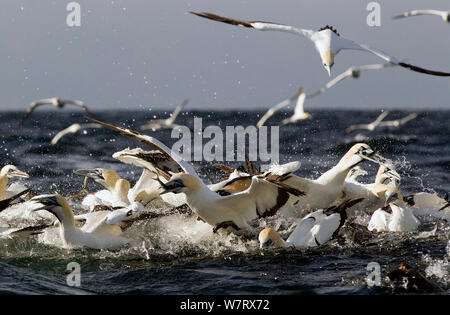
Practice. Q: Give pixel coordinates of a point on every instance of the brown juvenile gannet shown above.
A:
(327, 41)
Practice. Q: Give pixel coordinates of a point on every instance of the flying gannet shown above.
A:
(74, 128)
(299, 113)
(98, 234)
(264, 197)
(315, 229)
(57, 102)
(352, 72)
(327, 41)
(370, 126)
(445, 15)
(168, 123)
(398, 122)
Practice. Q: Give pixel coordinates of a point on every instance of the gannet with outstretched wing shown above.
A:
(315, 229)
(300, 97)
(299, 112)
(445, 15)
(327, 41)
(370, 126)
(74, 128)
(428, 205)
(398, 122)
(55, 101)
(168, 123)
(100, 234)
(352, 72)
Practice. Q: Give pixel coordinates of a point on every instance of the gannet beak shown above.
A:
(47, 201)
(374, 157)
(390, 197)
(94, 174)
(175, 186)
(328, 68)
(17, 174)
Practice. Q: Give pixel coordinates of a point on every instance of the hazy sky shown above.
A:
(130, 54)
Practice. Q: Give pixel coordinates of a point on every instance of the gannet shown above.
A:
(55, 101)
(370, 126)
(429, 205)
(445, 15)
(9, 172)
(168, 123)
(74, 128)
(322, 192)
(401, 218)
(10, 232)
(315, 229)
(398, 122)
(116, 192)
(102, 234)
(352, 72)
(374, 194)
(264, 197)
(327, 41)
(299, 113)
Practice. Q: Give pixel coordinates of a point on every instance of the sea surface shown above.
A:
(179, 255)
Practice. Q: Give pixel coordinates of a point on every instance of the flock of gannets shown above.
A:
(322, 205)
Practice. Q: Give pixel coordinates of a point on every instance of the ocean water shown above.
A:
(180, 255)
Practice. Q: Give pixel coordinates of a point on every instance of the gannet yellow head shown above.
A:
(55, 204)
(181, 182)
(11, 171)
(356, 172)
(328, 61)
(106, 178)
(270, 238)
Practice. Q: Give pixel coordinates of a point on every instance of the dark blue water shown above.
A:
(420, 149)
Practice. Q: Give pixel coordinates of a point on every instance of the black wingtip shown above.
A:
(422, 70)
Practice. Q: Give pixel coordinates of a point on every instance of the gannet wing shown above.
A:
(74, 128)
(34, 105)
(333, 82)
(258, 25)
(177, 111)
(267, 196)
(5, 203)
(380, 118)
(153, 143)
(275, 108)
(356, 127)
(411, 116)
(154, 161)
(419, 12)
(343, 43)
(348, 73)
